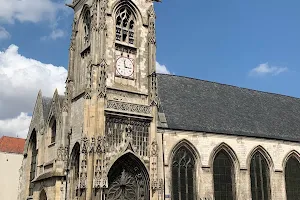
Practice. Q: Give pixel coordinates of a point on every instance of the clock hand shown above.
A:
(125, 64)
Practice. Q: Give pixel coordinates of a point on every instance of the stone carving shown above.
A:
(151, 28)
(153, 92)
(98, 174)
(157, 184)
(154, 185)
(154, 158)
(60, 153)
(100, 180)
(89, 75)
(129, 107)
(83, 170)
(125, 49)
(65, 107)
(73, 35)
(87, 94)
(102, 79)
(94, 14)
(101, 144)
(102, 14)
(154, 148)
(83, 178)
(84, 145)
(92, 145)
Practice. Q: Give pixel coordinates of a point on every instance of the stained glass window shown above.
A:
(259, 174)
(183, 175)
(223, 171)
(292, 179)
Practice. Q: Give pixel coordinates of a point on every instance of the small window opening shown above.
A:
(87, 26)
(53, 131)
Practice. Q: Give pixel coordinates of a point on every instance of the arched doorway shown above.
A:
(128, 179)
(43, 195)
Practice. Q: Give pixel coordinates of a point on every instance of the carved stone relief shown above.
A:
(100, 180)
(83, 170)
(151, 33)
(153, 93)
(129, 107)
(125, 49)
(154, 158)
(102, 79)
(102, 14)
(94, 14)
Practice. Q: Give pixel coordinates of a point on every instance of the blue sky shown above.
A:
(223, 41)
(213, 40)
(253, 44)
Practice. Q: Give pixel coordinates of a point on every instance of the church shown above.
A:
(121, 131)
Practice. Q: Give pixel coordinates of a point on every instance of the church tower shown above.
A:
(111, 102)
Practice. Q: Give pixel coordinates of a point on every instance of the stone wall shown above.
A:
(206, 145)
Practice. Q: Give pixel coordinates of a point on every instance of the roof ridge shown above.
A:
(11, 137)
(254, 90)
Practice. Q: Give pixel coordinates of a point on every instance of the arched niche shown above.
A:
(74, 170)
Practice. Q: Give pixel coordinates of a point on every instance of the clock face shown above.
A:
(124, 67)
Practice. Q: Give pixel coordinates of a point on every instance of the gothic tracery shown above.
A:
(125, 25)
(87, 26)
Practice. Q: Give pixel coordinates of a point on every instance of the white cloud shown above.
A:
(161, 69)
(16, 127)
(3, 33)
(265, 69)
(34, 11)
(29, 10)
(55, 34)
(20, 80)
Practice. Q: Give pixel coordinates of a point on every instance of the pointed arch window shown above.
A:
(183, 175)
(87, 26)
(53, 131)
(260, 177)
(33, 162)
(292, 179)
(223, 173)
(125, 25)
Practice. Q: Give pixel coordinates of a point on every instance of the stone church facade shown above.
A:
(122, 131)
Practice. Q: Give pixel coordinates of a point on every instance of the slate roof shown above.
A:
(47, 101)
(197, 105)
(61, 99)
(12, 145)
